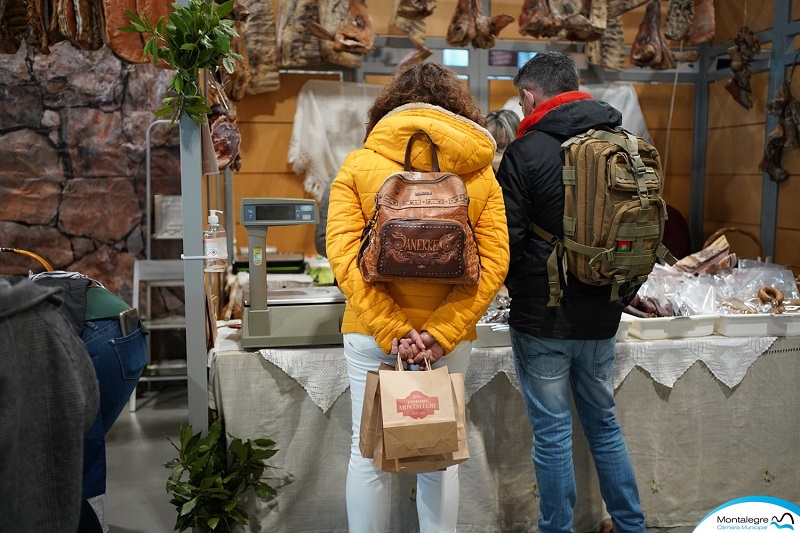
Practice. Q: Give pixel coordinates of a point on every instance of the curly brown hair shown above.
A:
(430, 83)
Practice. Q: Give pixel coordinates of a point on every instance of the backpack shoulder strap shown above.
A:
(553, 279)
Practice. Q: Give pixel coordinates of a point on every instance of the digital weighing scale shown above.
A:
(286, 317)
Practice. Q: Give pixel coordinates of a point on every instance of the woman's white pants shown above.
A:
(367, 488)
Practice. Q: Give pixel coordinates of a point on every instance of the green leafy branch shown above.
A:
(195, 37)
(209, 477)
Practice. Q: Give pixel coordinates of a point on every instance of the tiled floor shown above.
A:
(137, 448)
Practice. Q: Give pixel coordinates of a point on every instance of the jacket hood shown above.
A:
(577, 117)
(17, 295)
(462, 146)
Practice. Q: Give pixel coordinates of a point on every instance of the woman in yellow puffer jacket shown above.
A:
(420, 320)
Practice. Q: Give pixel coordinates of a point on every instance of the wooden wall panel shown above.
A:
(677, 192)
(265, 122)
(788, 208)
(278, 106)
(289, 239)
(654, 100)
(730, 17)
(499, 93)
(735, 150)
(266, 148)
(786, 251)
(727, 201)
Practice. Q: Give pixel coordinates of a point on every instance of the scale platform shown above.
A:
(303, 316)
(305, 295)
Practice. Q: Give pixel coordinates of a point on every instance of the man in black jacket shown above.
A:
(572, 345)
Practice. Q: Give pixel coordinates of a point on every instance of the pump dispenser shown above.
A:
(215, 244)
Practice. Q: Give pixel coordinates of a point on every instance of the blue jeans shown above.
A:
(118, 362)
(547, 369)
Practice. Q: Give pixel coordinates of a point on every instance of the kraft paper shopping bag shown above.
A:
(429, 463)
(419, 415)
(369, 412)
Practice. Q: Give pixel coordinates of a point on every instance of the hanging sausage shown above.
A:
(744, 49)
(680, 14)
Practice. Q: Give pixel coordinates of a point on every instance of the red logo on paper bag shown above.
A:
(417, 405)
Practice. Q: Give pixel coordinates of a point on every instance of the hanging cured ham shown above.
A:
(703, 24)
(409, 17)
(619, 7)
(126, 45)
(260, 37)
(461, 30)
(538, 19)
(415, 9)
(13, 24)
(354, 34)
(470, 25)
(649, 48)
(43, 24)
(588, 23)
(81, 22)
(487, 28)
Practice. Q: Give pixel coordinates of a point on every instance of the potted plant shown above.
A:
(196, 37)
(209, 476)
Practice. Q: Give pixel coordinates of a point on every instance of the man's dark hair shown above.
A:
(549, 74)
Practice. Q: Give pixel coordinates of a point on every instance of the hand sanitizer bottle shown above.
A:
(215, 244)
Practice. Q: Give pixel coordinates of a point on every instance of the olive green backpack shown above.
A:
(614, 214)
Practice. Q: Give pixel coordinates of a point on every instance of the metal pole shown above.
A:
(699, 142)
(148, 183)
(194, 281)
(777, 74)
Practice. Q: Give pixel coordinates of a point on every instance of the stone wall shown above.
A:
(72, 164)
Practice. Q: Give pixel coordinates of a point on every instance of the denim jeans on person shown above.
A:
(547, 370)
(367, 487)
(118, 362)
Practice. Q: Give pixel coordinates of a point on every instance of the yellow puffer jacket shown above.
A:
(389, 310)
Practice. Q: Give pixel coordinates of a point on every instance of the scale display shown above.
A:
(278, 211)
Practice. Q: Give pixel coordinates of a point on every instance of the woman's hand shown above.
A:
(414, 348)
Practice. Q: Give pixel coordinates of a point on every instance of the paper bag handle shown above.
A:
(400, 367)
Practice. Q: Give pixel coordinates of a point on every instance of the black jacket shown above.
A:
(530, 175)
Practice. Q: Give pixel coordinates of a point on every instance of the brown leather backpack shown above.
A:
(420, 230)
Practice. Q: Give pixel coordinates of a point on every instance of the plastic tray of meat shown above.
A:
(755, 325)
(624, 325)
(672, 327)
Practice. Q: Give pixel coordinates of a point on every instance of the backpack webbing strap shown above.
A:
(663, 253)
(553, 279)
(568, 171)
(630, 145)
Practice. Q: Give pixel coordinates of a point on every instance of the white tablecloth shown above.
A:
(695, 440)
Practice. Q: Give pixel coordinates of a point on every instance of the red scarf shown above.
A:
(548, 105)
